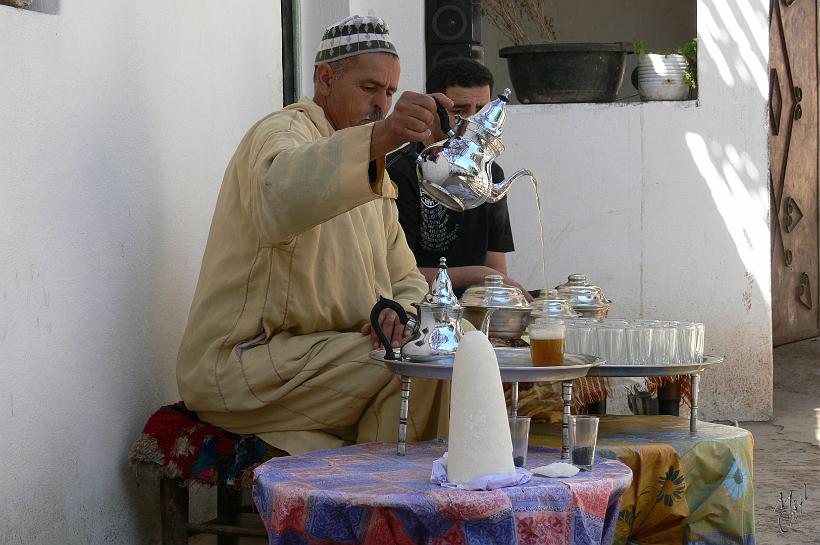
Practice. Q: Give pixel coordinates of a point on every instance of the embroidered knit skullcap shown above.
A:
(352, 36)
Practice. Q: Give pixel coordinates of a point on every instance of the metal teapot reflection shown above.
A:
(457, 171)
(437, 330)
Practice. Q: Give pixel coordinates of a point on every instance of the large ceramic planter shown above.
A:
(661, 77)
(563, 72)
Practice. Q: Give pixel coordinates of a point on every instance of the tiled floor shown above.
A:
(786, 448)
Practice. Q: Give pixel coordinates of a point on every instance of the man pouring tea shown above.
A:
(304, 239)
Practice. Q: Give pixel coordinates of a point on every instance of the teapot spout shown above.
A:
(500, 189)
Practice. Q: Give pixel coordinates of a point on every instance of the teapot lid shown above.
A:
(491, 116)
(494, 293)
(441, 289)
(581, 294)
(552, 305)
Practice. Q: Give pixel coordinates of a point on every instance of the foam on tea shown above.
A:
(547, 342)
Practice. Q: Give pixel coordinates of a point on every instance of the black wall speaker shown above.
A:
(437, 53)
(452, 21)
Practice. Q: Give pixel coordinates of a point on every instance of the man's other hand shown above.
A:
(393, 329)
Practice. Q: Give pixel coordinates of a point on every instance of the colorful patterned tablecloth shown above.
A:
(367, 494)
(687, 488)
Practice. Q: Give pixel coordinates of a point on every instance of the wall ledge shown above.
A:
(598, 106)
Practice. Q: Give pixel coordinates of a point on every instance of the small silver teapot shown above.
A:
(457, 171)
(437, 330)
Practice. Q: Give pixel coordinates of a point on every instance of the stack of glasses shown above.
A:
(636, 342)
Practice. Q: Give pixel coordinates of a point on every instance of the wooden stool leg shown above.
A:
(174, 516)
(228, 511)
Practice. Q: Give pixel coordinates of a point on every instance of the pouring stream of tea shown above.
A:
(541, 227)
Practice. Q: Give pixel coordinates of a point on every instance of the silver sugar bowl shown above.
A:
(511, 311)
(587, 300)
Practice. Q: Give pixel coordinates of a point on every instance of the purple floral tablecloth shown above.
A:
(367, 494)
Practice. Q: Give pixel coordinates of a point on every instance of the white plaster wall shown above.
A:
(665, 205)
(117, 120)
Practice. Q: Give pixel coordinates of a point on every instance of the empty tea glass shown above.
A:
(615, 322)
(586, 331)
(700, 340)
(612, 343)
(687, 343)
(664, 340)
(571, 338)
(638, 344)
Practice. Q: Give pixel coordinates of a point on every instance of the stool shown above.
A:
(182, 450)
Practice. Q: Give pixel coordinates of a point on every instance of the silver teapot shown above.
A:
(457, 171)
(436, 331)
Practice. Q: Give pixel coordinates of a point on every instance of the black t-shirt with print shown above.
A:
(435, 231)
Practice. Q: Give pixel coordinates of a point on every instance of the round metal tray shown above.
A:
(514, 363)
(611, 370)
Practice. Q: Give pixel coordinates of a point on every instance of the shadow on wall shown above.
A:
(736, 39)
(729, 173)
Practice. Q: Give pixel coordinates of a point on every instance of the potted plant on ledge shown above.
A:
(545, 71)
(666, 76)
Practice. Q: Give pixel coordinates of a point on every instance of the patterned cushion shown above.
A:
(176, 444)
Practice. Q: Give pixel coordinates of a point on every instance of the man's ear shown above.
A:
(324, 79)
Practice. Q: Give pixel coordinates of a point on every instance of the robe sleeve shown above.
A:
(297, 183)
(407, 283)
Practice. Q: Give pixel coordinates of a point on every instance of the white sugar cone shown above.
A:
(480, 441)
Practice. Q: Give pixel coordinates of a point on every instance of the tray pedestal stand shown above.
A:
(566, 394)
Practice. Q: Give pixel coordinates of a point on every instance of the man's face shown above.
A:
(467, 101)
(363, 92)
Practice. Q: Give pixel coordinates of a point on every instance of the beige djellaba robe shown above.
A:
(300, 248)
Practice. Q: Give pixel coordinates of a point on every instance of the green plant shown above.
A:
(689, 52)
(516, 19)
(639, 48)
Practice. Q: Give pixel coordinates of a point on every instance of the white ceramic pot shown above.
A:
(661, 77)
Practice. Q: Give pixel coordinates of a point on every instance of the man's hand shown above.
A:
(511, 282)
(412, 120)
(393, 329)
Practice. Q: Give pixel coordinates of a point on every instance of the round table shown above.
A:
(367, 494)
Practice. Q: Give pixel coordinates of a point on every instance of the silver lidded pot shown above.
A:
(437, 329)
(587, 300)
(552, 305)
(511, 310)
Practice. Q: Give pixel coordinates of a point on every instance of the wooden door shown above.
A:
(793, 160)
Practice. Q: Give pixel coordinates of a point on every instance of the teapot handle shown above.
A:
(444, 119)
(380, 305)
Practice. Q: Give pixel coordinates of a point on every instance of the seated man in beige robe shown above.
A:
(304, 239)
